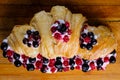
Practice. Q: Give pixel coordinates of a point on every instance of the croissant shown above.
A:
(60, 41)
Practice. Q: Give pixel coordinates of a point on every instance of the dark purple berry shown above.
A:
(112, 59)
(71, 62)
(32, 60)
(4, 46)
(58, 64)
(58, 58)
(91, 35)
(89, 46)
(62, 28)
(44, 69)
(30, 67)
(60, 69)
(84, 35)
(72, 67)
(93, 41)
(85, 60)
(17, 63)
(99, 62)
(99, 68)
(16, 56)
(29, 32)
(82, 45)
(45, 60)
(36, 33)
(25, 40)
(35, 44)
(85, 67)
(29, 44)
(4, 54)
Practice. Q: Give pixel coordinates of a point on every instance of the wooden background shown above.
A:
(14, 12)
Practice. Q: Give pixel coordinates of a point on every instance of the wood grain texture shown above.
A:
(15, 12)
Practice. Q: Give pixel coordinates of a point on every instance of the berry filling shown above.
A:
(61, 30)
(57, 64)
(87, 39)
(32, 38)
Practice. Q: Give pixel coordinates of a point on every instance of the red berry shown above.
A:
(87, 39)
(38, 65)
(106, 59)
(9, 53)
(51, 63)
(30, 37)
(53, 69)
(24, 58)
(67, 24)
(66, 69)
(10, 59)
(66, 38)
(53, 29)
(57, 36)
(78, 61)
(92, 65)
(66, 63)
(77, 67)
(69, 31)
(39, 56)
(56, 22)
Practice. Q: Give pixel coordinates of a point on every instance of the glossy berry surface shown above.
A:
(30, 67)
(17, 63)
(112, 59)
(85, 67)
(4, 46)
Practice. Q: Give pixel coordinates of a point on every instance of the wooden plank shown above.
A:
(89, 11)
(61, 2)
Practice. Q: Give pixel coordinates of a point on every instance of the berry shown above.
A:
(38, 65)
(35, 44)
(92, 65)
(85, 61)
(82, 45)
(67, 24)
(58, 64)
(30, 67)
(57, 36)
(58, 58)
(25, 40)
(10, 59)
(77, 67)
(112, 59)
(106, 59)
(72, 68)
(84, 35)
(17, 63)
(16, 56)
(66, 69)
(29, 32)
(53, 69)
(32, 60)
(71, 62)
(89, 47)
(66, 63)
(39, 56)
(4, 54)
(36, 33)
(29, 44)
(62, 28)
(9, 53)
(93, 41)
(78, 61)
(66, 38)
(99, 62)
(53, 29)
(45, 60)
(4, 46)
(51, 63)
(44, 69)
(85, 67)
(91, 35)
(69, 31)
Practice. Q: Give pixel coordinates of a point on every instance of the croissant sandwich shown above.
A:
(58, 41)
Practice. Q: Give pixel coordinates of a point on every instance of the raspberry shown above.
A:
(92, 65)
(67, 24)
(78, 61)
(39, 56)
(66, 69)
(9, 53)
(53, 29)
(66, 38)
(10, 59)
(69, 31)
(77, 67)
(53, 69)
(106, 59)
(57, 36)
(51, 63)
(38, 65)
(66, 63)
